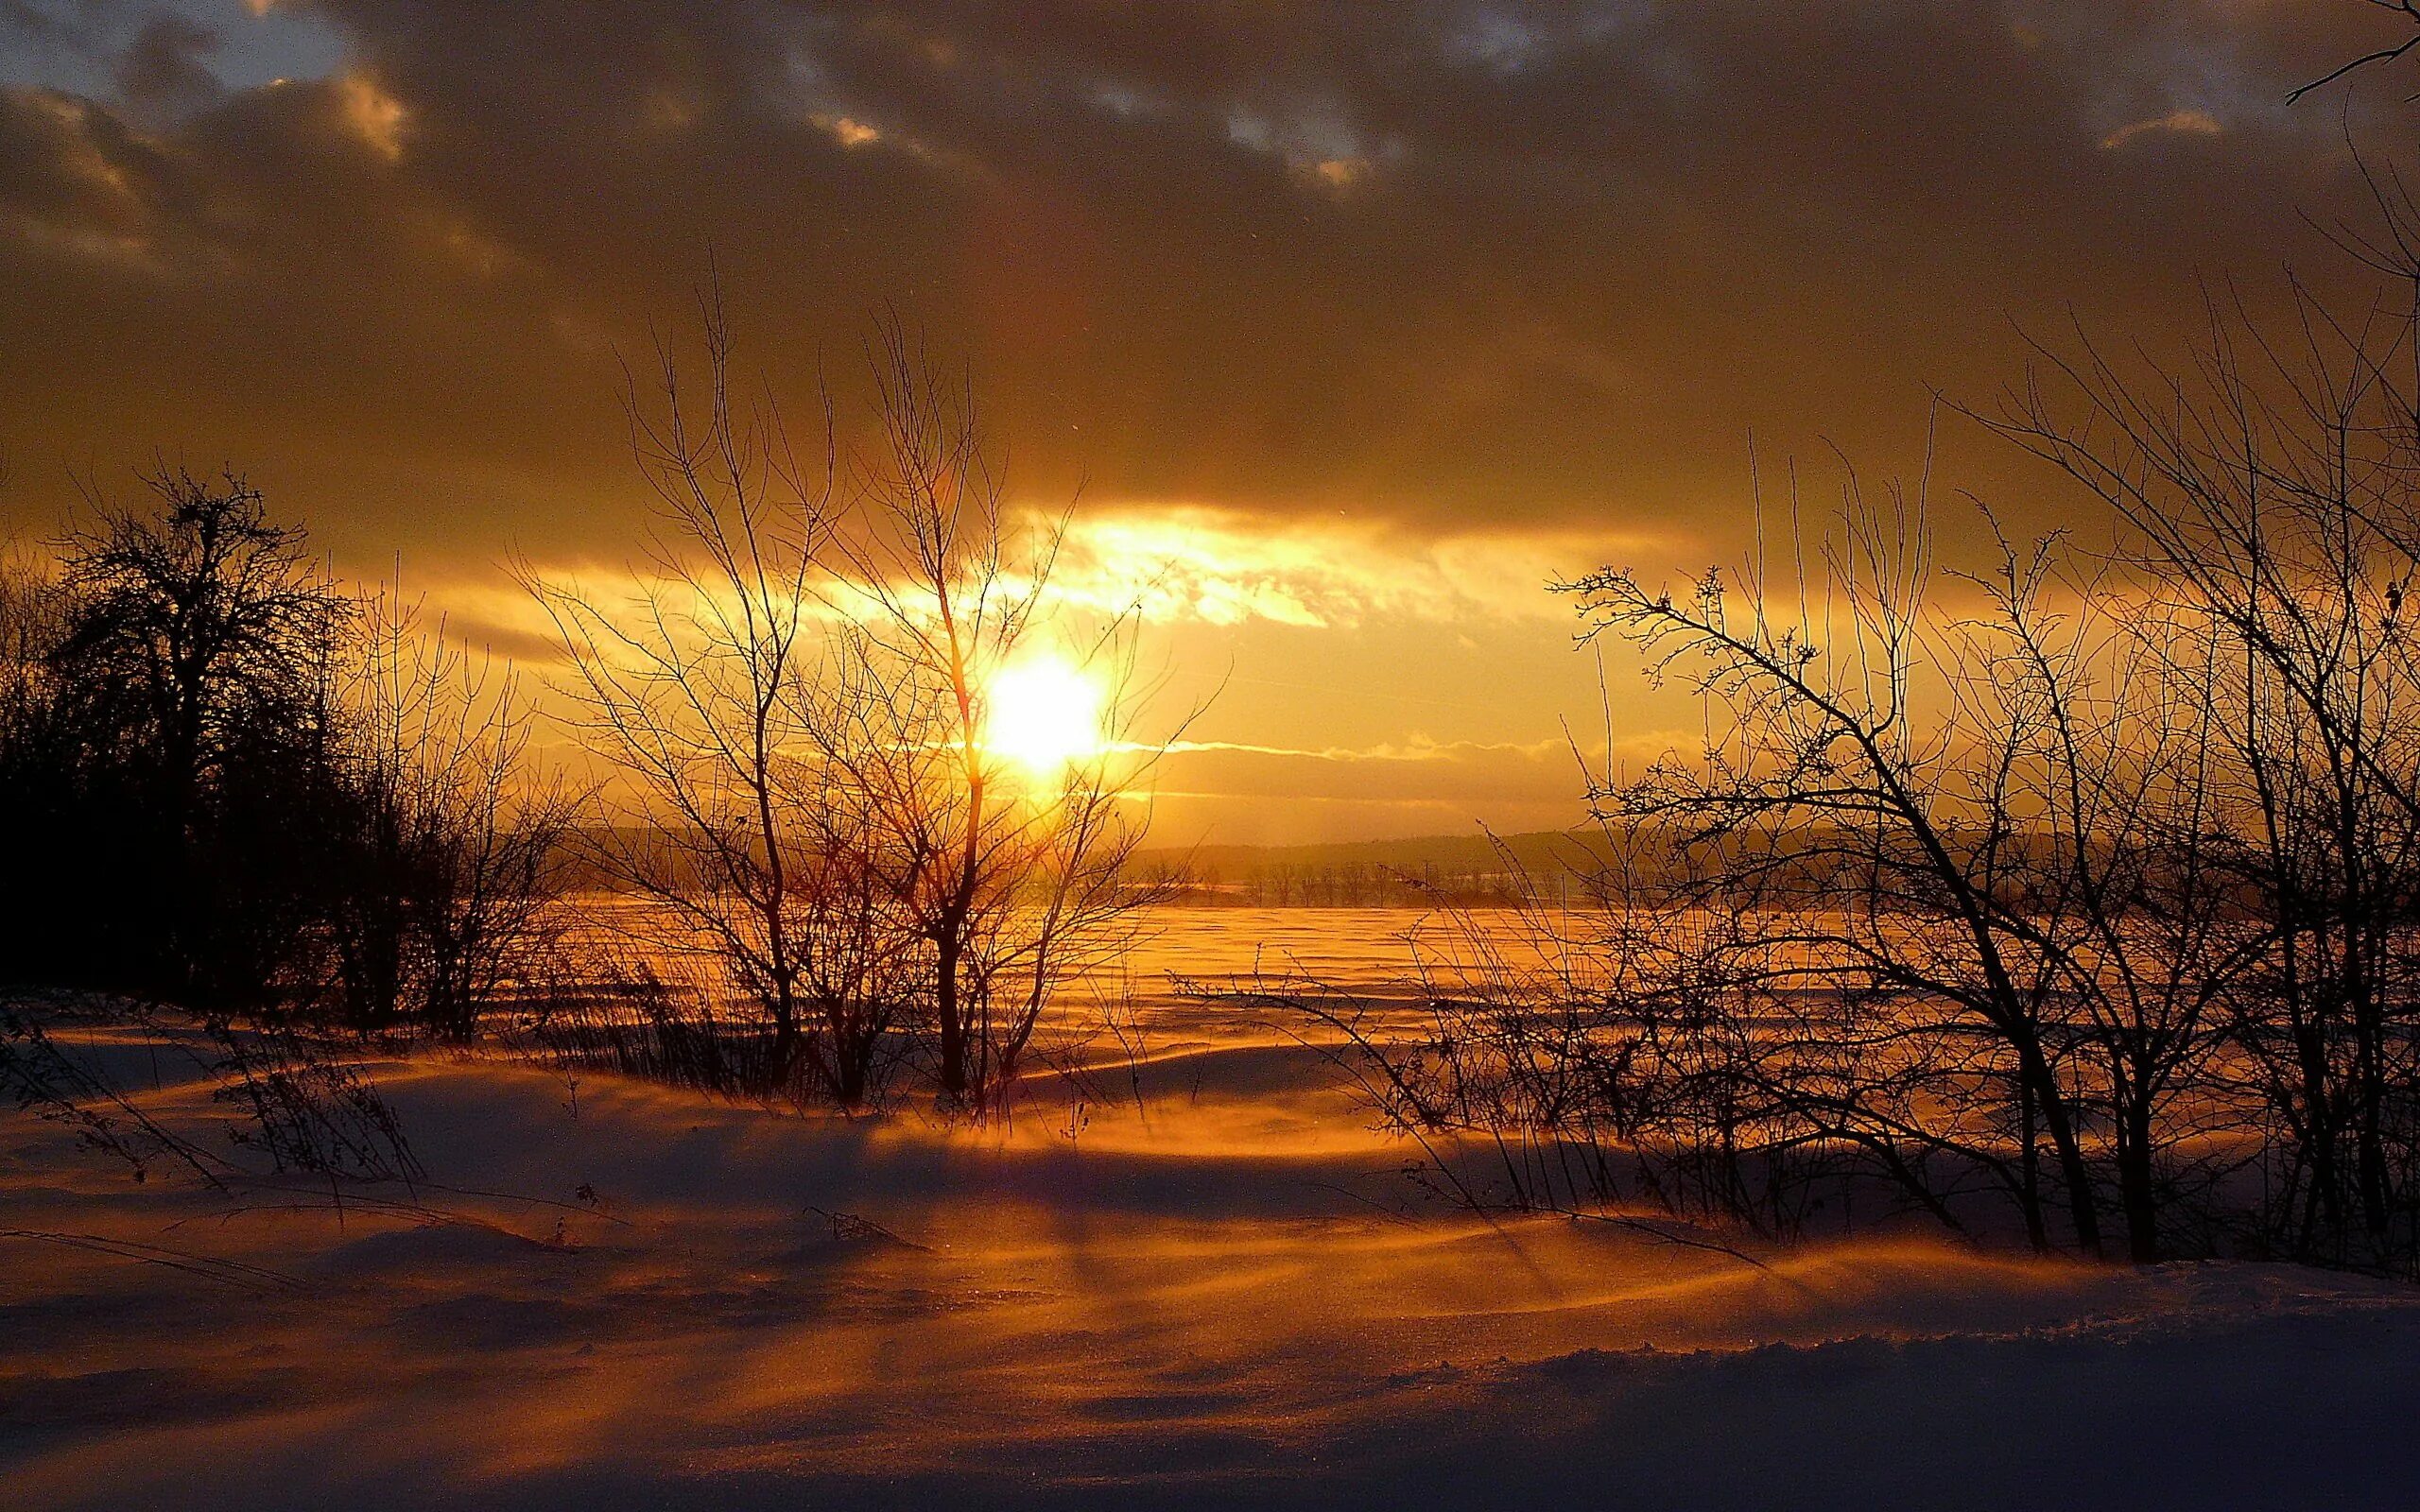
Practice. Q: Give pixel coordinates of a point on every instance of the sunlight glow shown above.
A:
(1045, 714)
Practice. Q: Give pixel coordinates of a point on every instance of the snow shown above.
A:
(618, 1295)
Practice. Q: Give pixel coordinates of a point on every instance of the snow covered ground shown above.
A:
(1224, 1297)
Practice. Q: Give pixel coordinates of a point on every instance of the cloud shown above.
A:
(2179, 121)
(1417, 750)
(1465, 778)
(164, 75)
(1226, 567)
(1343, 318)
(1450, 266)
(372, 114)
(847, 132)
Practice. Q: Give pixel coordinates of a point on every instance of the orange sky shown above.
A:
(1354, 324)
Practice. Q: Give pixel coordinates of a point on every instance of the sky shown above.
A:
(1349, 327)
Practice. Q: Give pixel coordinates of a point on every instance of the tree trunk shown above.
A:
(2063, 1139)
(953, 1024)
(2135, 1193)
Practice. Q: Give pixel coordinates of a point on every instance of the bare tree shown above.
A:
(2087, 882)
(2406, 12)
(1877, 848)
(688, 689)
(2267, 501)
(1943, 908)
(796, 698)
(1013, 881)
(445, 889)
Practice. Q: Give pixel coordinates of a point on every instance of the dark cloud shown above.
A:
(1340, 290)
(1470, 264)
(164, 75)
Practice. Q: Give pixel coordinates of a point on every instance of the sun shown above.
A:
(1045, 714)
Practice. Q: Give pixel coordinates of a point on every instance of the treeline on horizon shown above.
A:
(1482, 870)
(1566, 868)
(1478, 871)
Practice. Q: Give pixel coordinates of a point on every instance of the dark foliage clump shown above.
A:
(233, 784)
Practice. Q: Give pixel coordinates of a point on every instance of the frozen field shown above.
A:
(1222, 1292)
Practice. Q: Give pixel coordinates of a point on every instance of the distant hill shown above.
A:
(1475, 869)
(1457, 851)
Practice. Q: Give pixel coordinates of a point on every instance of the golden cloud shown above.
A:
(2176, 123)
(372, 114)
(1227, 567)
